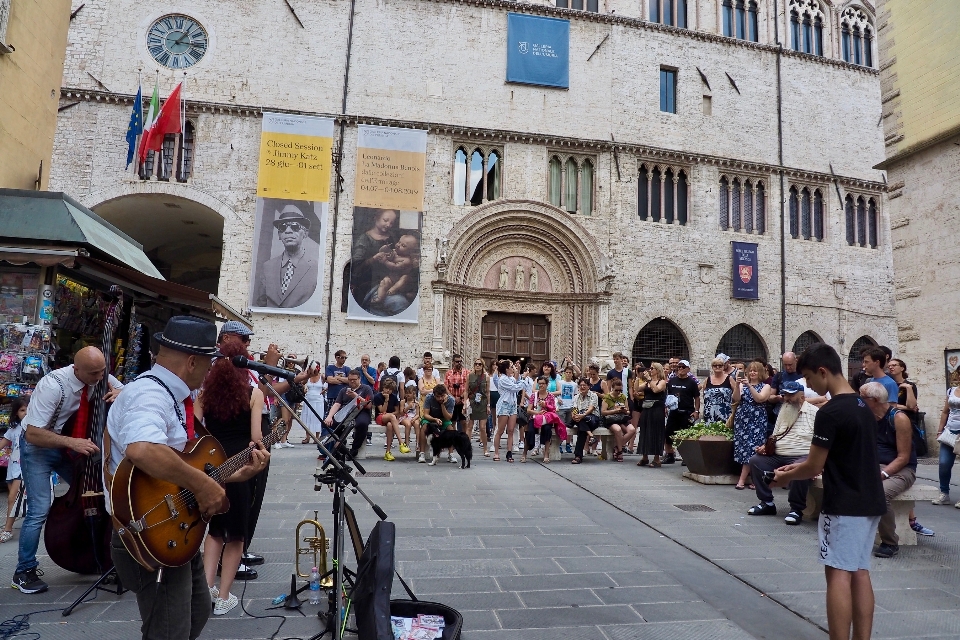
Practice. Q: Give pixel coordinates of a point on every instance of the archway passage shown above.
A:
(804, 340)
(854, 359)
(742, 343)
(183, 238)
(658, 341)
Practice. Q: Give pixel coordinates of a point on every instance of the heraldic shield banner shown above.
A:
(387, 215)
(746, 283)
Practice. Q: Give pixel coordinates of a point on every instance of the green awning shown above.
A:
(52, 218)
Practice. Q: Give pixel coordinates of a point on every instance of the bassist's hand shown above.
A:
(212, 499)
(259, 458)
(83, 445)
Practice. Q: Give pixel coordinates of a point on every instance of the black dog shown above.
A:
(457, 440)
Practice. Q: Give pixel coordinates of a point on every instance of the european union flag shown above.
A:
(135, 128)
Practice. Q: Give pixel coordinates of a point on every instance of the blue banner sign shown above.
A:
(745, 277)
(538, 50)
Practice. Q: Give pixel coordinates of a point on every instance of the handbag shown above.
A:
(523, 417)
(647, 404)
(770, 446)
(948, 438)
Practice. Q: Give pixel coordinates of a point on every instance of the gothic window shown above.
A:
(728, 18)
(850, 219)
(795, 30)
(741, 205)
(761, 209)
(571, 183)
(861, 222)
(658, 341)
(794, 212)
(476, 175)
(806, 26)
(740, 18)
(753, 22)
(805, 230)
(175, 158)
(872, 223)
(818, 215)
(669, 12)
(742, 343)
(663, 194)
(185, 170)
(856, 36)
(804, 340)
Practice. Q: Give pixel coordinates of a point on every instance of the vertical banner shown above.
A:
(745, 276)
(538, 50)
(290, 235)
(388, 207)
(951, 364)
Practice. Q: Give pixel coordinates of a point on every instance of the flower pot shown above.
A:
(709, 456)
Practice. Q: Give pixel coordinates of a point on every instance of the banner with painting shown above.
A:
(387, 222)
(290, 233)
(951, 363)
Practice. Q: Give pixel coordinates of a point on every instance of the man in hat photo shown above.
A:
(289, 279)
(149, 423)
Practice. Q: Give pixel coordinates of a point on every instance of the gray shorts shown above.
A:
(846, 542)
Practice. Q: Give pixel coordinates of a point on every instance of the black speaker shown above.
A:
(371, 597)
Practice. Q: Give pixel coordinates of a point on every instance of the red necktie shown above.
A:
(82, 416)
(188, 406)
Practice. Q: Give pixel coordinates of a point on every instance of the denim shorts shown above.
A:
(846, 542)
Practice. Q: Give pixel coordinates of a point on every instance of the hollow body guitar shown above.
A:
(160, 523)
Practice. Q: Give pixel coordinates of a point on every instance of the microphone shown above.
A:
(242, 362)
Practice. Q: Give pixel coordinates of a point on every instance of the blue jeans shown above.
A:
(37, 464)
(947, 457)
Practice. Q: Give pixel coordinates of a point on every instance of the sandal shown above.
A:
(546, 461)
(739, 487)
(577, 460)
(643, 462)
(496, 457)
(523, 458)
(305, 441)
(618, 455)
(486, 454)
(509, 456)
(6, 536)
(656, 464)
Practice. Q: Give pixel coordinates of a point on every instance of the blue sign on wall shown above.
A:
(745, 277)
(538, 50)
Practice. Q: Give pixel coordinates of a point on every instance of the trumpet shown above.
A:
(316, 546)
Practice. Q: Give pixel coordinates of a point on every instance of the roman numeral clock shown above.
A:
(177, 41)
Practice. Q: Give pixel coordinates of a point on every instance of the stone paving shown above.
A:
(531, 551)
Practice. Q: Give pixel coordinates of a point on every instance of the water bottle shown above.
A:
(314, 586)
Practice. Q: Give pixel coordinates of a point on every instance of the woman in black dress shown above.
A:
(230, 409)
(653, 420)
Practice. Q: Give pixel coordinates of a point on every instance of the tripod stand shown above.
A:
(109, 576)
(339, 477)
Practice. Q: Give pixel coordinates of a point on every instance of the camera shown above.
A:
(768, 477)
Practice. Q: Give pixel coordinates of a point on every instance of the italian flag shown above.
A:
(160, 121)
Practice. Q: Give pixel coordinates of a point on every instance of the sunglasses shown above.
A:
(291, 226)
(245, 339)
(340, 357)
(478, 364)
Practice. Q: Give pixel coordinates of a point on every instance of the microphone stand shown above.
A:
(339, 478)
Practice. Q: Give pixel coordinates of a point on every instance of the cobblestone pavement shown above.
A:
(532, 551)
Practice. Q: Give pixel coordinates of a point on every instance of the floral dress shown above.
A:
(749, 426)
(717, 401)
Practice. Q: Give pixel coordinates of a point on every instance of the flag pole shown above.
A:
(136, 158)
(183, 126)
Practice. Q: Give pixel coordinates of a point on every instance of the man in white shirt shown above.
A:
(149, 424)
(43, 449)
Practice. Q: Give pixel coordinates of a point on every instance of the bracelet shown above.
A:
(885, 474)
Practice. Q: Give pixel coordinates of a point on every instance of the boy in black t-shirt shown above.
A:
(844, 448)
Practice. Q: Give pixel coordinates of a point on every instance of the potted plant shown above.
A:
(707, 448)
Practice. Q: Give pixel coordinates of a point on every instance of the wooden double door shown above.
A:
(516, 336)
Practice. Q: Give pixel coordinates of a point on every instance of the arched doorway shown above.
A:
(804, 340)
(742, 343)
(183, 238)
(854, 359)
(658, 341)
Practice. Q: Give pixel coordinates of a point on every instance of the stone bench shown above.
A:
(607, 442)
(901, 505)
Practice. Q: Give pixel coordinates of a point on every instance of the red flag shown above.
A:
(168, 121)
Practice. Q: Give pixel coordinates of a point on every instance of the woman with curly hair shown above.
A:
(230, 409)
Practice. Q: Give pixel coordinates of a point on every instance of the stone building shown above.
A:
(33, 34)
(684, 127)
(919, 70)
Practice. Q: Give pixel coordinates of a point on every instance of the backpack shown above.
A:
(917, 432)
(391, 376)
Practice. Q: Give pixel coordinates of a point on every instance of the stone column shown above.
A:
(603, 331)
(437, 346)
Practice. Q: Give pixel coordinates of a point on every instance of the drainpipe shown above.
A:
(337, 166)
(783, 230)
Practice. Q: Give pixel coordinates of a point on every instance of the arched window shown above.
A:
(658, 341)
(724, 203)
(818, 36)
(654, 10)
(850, 218)
(845, 45)
(570, 185)
(795, 30)
(556, 171)
(804, 340)
(586, 188)
(741, 19)
(747, 207)
(742, 343)
(727, 8)
(867, 47)
(643, 193)
(656, 186)
(669, 12)
(794, 212)
(477, 176)
(818, 215)
(805, 213)
(872, 223)
(681, 13)
(856, 39)
(806, 26)
(345, 288)
(668, 193)
(682, 198)
(854, 359)
(857, 46)
(807, 35)
(185, 168)
(753, 22)
(761, 209)
(735, 206)
(861, 222)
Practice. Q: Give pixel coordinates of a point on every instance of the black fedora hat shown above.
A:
(291, 213)
(190, 335)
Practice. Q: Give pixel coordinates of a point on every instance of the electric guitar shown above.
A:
(160, 523)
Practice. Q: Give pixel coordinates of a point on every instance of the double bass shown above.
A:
(78, 530)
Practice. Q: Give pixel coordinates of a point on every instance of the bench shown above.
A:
(901, 505)
(607, 442)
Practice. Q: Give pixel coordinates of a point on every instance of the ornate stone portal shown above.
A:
(527, 258)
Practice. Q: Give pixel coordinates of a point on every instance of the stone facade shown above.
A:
(610, 273)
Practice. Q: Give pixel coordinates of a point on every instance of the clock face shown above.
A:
(177, 41)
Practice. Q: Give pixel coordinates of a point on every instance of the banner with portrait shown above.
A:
(387, 223)
(290, 232)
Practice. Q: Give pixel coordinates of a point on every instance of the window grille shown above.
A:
(804, 340)
(658, 341)
(742, 343)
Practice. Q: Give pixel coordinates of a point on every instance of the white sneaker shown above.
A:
(214, 593)
(288, 445)
(433, 462)
(515, 449)
(491, 448)
(454, 459)
(421, 457)
(943, 498)
(278, 446)
(220, 607)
